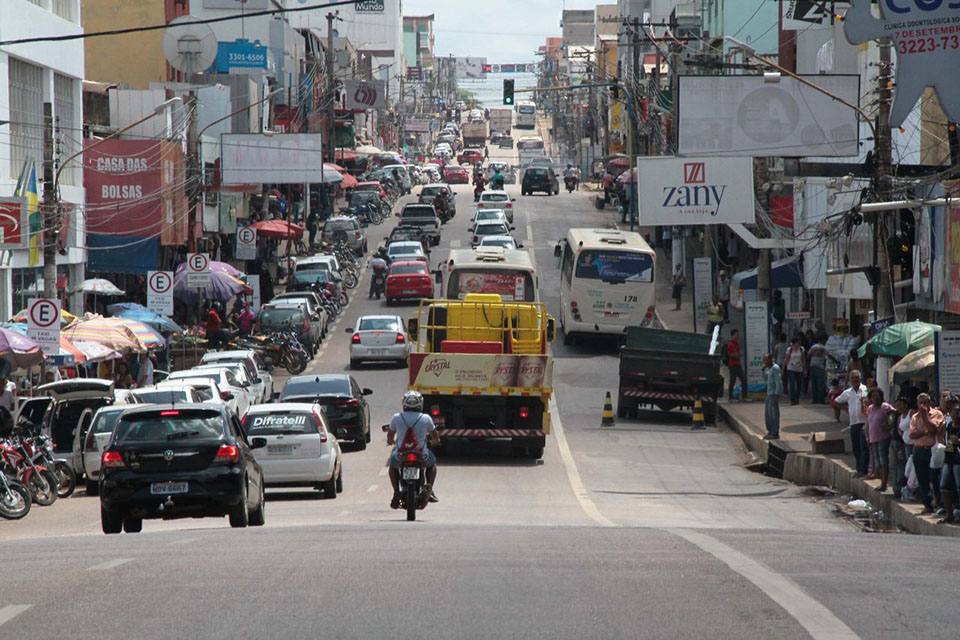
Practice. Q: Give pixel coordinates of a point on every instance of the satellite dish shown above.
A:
(189, 46)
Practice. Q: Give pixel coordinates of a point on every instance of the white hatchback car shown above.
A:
(225, 378)
(504, 242)
(208, 390)
(496, 199)
(255, 365)
(300, 451)
(380, 338)
(97, 438)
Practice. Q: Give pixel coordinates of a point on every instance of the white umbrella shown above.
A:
(98, 286)
(331, 175)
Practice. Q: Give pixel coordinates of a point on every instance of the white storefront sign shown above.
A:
(254, 283)
(948, 361)
(686, 191)
(160, 292)
(43, 324)
(756, 319)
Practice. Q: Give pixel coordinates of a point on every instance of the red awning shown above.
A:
(349, 182)
(278, 229)
(345, 155)
(622, 162)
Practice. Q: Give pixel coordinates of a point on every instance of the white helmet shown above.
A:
(412, 401)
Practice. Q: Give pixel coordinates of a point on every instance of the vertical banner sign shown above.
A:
(160, 292)
(198, 270)
(702, 290)
(757, 339)
(246, 247)
(43, 324)
(947, 352)
(254, 282)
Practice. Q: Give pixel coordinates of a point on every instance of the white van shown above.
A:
(606, 282)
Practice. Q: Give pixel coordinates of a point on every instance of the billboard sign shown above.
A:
(14, 223)
(240, 54)
(685, 191)
(417, 125)
(744, 116)
(467, 67)
(756, 328)
(360, 95)
(800, 15)
(369, 6)
(925, 35)
(254, 158)
(244, 5)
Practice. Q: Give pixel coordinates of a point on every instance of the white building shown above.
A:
(30, 75)
(374, 27)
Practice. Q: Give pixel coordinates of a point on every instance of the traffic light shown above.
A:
(508, 92)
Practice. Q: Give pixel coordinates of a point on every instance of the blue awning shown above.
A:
(784, 274)
(121, 254)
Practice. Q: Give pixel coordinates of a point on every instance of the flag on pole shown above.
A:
(32, 194)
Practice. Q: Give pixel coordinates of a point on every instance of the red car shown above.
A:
(372, 186)
(409, 280)
(470, 156)
(455, 175)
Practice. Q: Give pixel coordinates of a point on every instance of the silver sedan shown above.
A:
(379, 338)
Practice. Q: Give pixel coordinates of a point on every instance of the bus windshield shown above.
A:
(511, 285)
(615, 266)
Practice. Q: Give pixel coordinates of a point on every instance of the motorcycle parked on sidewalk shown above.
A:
(14, 498)
(18, 461)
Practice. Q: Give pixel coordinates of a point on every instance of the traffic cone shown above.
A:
(697, 416)
(607, 419)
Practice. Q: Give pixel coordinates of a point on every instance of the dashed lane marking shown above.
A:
(11, 611)
(383, 472)
(455, 244)
(372, 488)
(109, 564)
(183, 541)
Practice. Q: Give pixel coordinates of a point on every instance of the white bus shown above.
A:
(606, 282)
(507, 272)
(526, 116)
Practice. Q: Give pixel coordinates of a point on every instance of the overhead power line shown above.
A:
(157, 27)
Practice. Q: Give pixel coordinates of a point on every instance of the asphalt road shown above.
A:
(642, 530)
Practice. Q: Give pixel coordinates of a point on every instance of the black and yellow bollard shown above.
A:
(697, 416)
(607, 418)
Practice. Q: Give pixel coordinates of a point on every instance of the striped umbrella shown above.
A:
(155, 320)
(146, 334)
(110, 332)
(67, 349)
(94, 352)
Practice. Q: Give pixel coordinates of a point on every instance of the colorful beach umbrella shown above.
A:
(109, 332)
(155, 320)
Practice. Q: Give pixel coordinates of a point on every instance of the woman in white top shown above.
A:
(902, 446)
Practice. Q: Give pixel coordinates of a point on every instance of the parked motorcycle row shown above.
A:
(29, 474)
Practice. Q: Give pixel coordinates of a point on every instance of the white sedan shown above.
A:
(225, 378)
(255, 365)
(300, 451)
(209, 391)
(242, 374)
(380, 338)
(504, 242)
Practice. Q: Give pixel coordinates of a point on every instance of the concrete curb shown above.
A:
(817, 469)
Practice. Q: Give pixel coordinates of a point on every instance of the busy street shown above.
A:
(346, 358)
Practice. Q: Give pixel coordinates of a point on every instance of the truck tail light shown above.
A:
(435, 410)
(524, 413)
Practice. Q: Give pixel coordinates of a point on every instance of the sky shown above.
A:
(498, 30)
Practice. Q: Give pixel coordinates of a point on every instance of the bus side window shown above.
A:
(566, 266)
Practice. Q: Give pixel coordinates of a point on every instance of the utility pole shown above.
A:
(194, 180)
(635, 110)
(50, 208)
(883, 303)
(331, 88)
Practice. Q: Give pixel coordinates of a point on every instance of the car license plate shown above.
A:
(280, 449)
(408, 292)
(377, 352)
(168, 488)
(411, 473)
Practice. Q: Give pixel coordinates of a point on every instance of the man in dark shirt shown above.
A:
(735, 366)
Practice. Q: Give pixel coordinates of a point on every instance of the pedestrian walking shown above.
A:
(679, 282)
(723, 292)
(714, 314)
(852, 401)
(817, 367)
(879, 414)
(312, 221)
(902, 444)
(950, 473)
(926, 429)
(780, 348)
(795, 362)
(735, 365)
(771, 411)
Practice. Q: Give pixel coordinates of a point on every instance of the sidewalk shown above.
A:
(793, 454)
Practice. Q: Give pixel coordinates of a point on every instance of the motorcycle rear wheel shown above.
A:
(14, 501)
(411, 502)
(295, 362)
(350, 280)
(66, 479)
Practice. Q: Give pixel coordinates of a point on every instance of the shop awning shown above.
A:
(784, 274)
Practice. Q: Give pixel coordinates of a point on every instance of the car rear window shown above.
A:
(314, 266)
(169, 425)
(340, 225)
(280, 423)
(278, 316)
(162, 396)
(379, 324)
(313, 387)
(105, 422)
(210, 375)
(418, 212)
(491, 230)
(403, 249)
(537, 172)
(430, 191)
(404, 269)
(495, 197)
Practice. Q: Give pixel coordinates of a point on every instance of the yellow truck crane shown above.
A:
(483, 369)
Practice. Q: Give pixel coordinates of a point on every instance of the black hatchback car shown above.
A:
(179, 461)
(343, 401)
(540, 179)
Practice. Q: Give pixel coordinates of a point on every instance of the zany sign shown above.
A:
(926, 35)
(682, 191)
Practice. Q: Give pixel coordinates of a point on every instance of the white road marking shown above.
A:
(11, 611)
(818, 620)
(576, 483)
(183, 541)
(455, 244)
(383, 472)
(372, 488)
(109, 564)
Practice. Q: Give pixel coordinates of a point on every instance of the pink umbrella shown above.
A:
(217, 267)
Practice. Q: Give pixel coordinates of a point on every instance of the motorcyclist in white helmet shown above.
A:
(412, 418)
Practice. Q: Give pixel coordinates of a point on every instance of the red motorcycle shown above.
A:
(18, 456)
